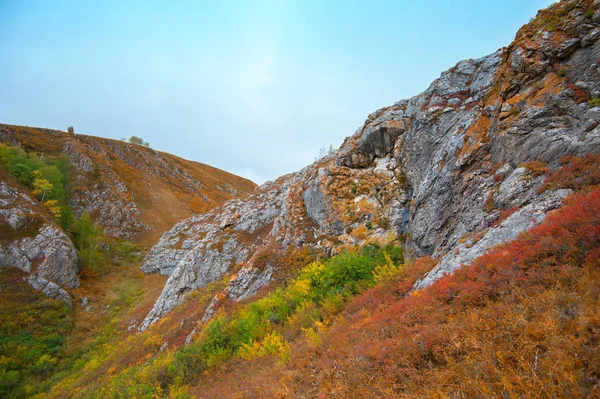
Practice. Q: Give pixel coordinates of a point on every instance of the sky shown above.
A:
(256, 88)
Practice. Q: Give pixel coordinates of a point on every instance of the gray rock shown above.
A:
(317, 206)
(49, 289)
(36, 247)
(517, 189)
(504, 170)
(433, 192)
(567, 48)
(593, 114)
(379, 141)
(520, 221)
(248, 281)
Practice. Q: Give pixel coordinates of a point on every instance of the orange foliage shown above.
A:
(197, 205)
(536, 168)
(575, 173)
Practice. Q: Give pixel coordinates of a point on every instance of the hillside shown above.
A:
(134, 192)
(449, 248)
(450, 172)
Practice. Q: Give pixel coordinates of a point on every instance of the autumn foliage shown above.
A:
(197, 205)
(522, 321)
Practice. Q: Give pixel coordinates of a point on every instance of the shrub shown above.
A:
(138, 141)
(589, 14)
(32, 335)
(126, 251)
(198, 205)
(389, 271)
(87, 237)
(594, 102)
(536, 168)
(575, 173)
(254, 331)
(489, 205)
(48, 178)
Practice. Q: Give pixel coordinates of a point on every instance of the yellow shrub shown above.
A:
(53, 207)
(272, 344)
(389, 271)
(312, 337)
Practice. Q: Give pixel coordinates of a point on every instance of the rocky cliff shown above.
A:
(134, 192)
(451, 171)
(30, 241)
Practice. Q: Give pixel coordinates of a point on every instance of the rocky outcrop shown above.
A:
(33, 244)
(517, 223)
(49, 289)
(435, 170)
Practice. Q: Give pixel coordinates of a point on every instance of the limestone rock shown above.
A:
(419, 169)
(518, 188)
(593, 114)
(33, 244)
(520, 221)
(50, 289)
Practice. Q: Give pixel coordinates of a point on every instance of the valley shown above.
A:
(449, 248)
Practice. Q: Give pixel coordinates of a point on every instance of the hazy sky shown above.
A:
(252, 87)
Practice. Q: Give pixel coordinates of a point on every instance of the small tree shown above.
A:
(70, 130)
(41, 186)
(138, 141)
(54, 207)
(88, 237)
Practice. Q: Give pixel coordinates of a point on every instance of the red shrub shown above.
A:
(575, 173)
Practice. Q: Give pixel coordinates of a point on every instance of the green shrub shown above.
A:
(32, 335)
(252, 331)
(48, 178)
(87, 236)
(138, 141)
(594, 102)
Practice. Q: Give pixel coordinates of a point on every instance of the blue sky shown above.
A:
(252, 87)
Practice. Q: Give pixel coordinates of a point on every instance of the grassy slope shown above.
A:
(162, 198)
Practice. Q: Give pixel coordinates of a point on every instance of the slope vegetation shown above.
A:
(450, 172)
(520, 321)
(134, 192)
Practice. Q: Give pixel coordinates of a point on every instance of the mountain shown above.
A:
(449, 248)
(439, 171)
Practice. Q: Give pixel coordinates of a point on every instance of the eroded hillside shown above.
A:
(454, 170)
(134, 192)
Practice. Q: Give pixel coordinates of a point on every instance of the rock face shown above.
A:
(520, 221)
(435, 170)
(31, 243)
(133, 192)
